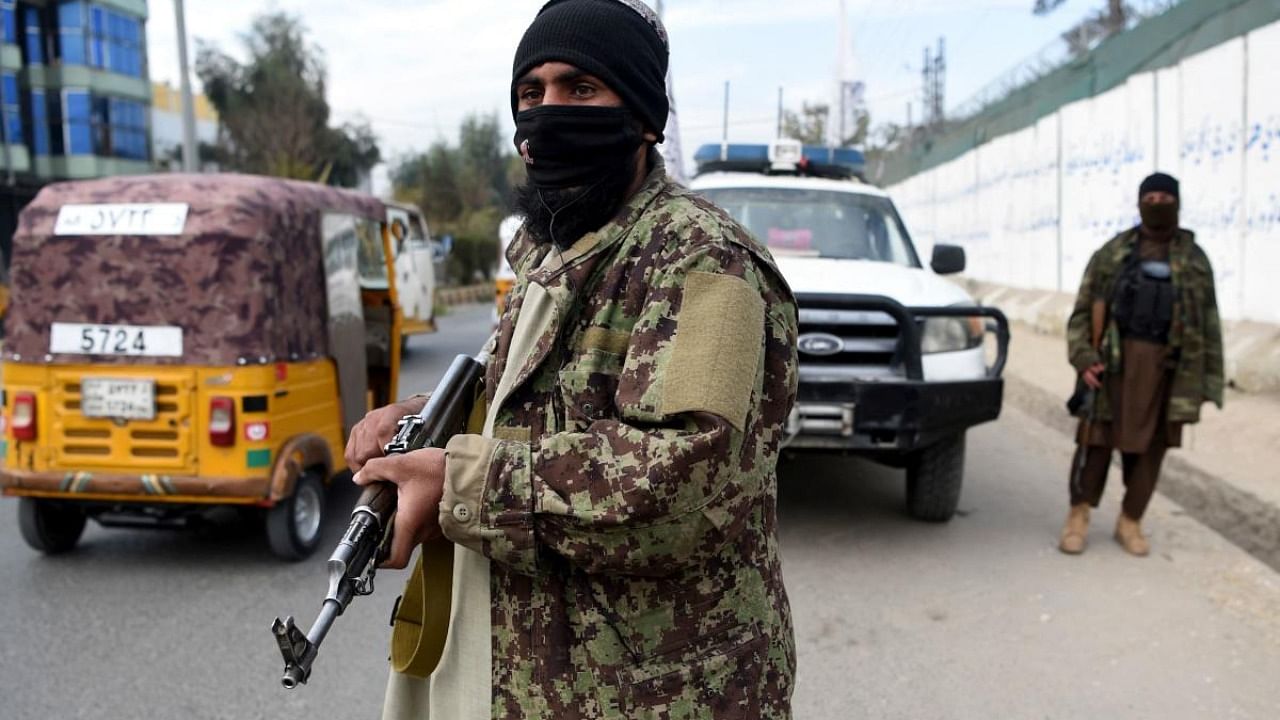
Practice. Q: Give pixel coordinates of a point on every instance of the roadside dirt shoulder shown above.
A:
(1226, 473)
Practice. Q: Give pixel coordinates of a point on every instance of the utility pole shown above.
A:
(724, 138)
(940, 81)
(934, 81)
(926, 82)
(849, 103)
(671, 149)
(188, 104)
(842, 90)
(780, 113)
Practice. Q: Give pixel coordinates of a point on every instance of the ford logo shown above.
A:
(820, 344)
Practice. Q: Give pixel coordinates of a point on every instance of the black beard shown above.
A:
(562, 215)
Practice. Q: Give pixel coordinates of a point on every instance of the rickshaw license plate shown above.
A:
(136, 340)
(118, 398)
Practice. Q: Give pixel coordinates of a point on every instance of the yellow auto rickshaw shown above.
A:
(179, 342)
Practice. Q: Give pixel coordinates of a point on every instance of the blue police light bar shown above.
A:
(716, 152)
(816, 161)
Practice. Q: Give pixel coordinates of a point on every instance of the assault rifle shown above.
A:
(1084, 402)
(355, 561)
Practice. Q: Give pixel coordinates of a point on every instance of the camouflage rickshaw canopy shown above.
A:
(244, 276)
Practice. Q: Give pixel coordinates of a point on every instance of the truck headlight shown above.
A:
(950, 334)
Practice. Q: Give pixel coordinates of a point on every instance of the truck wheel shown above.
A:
(50, 527)
(294, 524)
(934, 476)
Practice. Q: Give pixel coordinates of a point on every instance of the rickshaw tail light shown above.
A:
(24, 416)
(222, 421)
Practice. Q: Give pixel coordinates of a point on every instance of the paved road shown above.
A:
(980, 618)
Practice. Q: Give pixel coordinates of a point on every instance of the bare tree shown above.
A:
(809, 126)
(1097, 26)
(274, 118)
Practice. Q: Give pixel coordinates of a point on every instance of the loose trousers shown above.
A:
(1141, 471)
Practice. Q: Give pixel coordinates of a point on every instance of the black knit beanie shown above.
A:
(622, 42)
(1159, 182)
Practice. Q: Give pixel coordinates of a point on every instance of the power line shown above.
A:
(913, 90)
(734, 123)
(378, 120)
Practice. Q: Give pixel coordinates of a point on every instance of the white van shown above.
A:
(415, 267)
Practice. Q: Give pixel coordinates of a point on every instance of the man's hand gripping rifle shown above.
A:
(355, 561)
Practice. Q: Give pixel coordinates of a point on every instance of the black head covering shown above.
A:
(1159, 182)
(622, 42)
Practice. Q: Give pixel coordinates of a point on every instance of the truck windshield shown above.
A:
(820, 223)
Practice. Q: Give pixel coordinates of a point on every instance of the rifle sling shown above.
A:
(420, 624)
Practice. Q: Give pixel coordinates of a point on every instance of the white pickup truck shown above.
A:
(892, 359)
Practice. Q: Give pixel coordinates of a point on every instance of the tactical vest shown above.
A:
(1142, 302)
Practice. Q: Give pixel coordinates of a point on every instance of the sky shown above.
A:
(415, 68)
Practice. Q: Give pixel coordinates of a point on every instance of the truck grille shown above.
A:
(163, 443)
(849, 342)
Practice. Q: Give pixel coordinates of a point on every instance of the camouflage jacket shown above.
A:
(1195, 338)
(627, 500)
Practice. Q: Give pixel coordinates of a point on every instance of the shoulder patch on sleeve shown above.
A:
(716, 350)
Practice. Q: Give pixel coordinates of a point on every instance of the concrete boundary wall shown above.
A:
(1031, 206)
(1251, 349)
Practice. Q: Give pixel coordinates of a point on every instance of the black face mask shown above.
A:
(567, 146)
(562, 215)
(1159, 217)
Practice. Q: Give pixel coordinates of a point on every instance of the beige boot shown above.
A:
(1074, 532)
(1129, 535)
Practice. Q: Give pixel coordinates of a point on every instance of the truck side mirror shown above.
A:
(948, 259)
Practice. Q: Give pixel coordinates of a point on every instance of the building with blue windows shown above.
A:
(75, 95)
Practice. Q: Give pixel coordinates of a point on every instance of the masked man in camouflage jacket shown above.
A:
(615, 523)
(1147, 342)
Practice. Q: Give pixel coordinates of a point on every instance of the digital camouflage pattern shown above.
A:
(1195, 338)
(245, 280)
(635, 567)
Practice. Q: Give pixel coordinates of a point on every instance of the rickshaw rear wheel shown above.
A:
(294, 524)
(49, 526)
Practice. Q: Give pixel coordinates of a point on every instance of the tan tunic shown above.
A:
(1140, 394)
(460, 688)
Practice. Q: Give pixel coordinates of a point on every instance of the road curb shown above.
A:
(1247, 521)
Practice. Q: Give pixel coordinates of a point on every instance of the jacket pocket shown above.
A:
(717, 675)
(585, 394)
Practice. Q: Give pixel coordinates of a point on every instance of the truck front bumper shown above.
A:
(895, 416)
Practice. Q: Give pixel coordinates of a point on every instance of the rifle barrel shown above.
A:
(444, 414)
